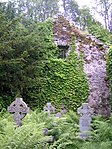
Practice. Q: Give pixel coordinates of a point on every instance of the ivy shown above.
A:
(63, 82)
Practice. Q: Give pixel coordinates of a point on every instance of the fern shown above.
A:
(63, 133)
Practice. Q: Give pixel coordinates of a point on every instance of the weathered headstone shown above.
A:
(85, 113)
(19, 109)
(49, 108)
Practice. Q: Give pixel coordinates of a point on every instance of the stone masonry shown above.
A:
(95, 69)
(94, 52)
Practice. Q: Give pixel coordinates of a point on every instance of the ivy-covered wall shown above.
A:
(94, 53)
(30, 68)
(64, 83)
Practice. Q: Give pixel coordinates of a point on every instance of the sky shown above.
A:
(3, 0)
(84, 2)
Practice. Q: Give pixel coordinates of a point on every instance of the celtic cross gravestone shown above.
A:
(85, 113)
(19, 109)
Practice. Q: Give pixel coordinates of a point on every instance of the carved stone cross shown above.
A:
(19, 109)
(85, 113)
(49, 108)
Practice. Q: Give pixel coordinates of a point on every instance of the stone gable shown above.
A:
(94, 52)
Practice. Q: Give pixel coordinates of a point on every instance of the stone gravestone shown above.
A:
(49, 108)
(19, 109)
(85, 113)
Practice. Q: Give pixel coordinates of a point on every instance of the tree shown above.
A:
(94, 27)
(23, 53)
(71, 9)
(37, 10)
(85, 18)
(110, 27)
(104, 8)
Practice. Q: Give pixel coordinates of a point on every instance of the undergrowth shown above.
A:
(62, 133)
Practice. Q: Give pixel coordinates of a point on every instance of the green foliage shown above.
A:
(103, 129)
(87, 22)
(109, 71)
(29, 67)
(23, 52)
(63, 82)
(30, 134)
(101, 134)
(96, 29)
(65, 132)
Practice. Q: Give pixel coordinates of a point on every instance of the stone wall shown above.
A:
(94, 52)
(95, 69)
